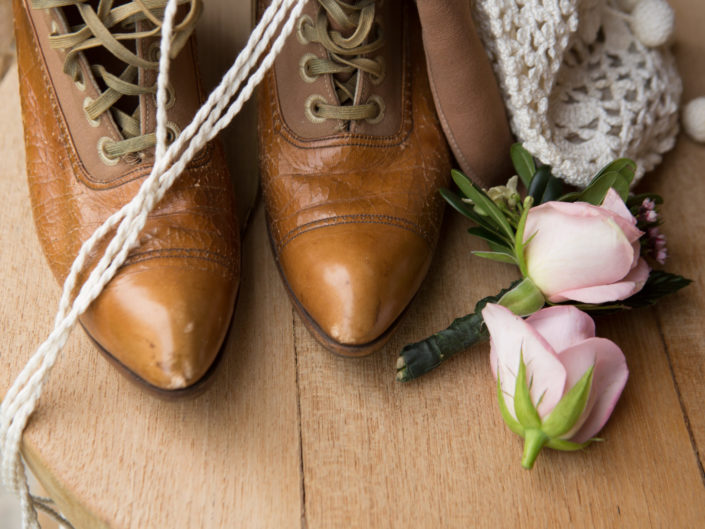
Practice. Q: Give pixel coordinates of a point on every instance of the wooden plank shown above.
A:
(112, 455)
(435, 453)
(680, 179)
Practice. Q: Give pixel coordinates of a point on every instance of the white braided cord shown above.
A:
(22, 397)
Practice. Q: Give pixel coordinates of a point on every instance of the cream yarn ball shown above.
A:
(652, 22)
(694, 119)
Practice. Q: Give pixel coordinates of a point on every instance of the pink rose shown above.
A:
(558, 348)
(583, 252)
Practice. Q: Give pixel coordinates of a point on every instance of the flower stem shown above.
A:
(534, 441)
(421, 357)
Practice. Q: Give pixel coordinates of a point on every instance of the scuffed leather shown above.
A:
(465, 89)
(366, 205)
(182, 278)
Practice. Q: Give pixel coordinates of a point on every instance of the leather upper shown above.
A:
(354, 214)
(166, 312)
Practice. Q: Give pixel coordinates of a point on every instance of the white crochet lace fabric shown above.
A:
(580, 88)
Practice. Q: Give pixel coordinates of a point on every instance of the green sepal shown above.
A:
(511, 422)
(523, 163)
(482, 201)
(519, 237)
(524, 299)
(563, 417)
(526, 412)
(567, 446)
(499, 257)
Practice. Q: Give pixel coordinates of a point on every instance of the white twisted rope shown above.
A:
(21, 400)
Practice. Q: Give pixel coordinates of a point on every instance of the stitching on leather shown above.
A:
(80, 172)
(354, 219)
(405, 127)
(183, 253)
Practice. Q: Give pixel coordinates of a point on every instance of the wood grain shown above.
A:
(289, 435)
(681, 179)
(113, 456)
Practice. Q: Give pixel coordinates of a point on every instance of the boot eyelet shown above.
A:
(304, 19)
(170, 96)
(304, 69)
(312, 106)
(154, 52)
(107, 160)
(92, 122)
(377, 79)
(380, 105)
(172, 132)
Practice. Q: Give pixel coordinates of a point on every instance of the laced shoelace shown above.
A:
(347, 57)
(111, 27)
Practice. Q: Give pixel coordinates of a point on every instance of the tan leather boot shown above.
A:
(352, 156)
(465, 90)
(87, 90)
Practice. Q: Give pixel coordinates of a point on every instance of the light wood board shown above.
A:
(291, 436)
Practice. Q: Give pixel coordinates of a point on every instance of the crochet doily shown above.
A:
(580, 88)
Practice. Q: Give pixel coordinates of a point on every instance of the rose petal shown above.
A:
(632, 283)
(562, 326)
(609, 378)
(614, 203)
(624, 218)
(511, 337)
(575, 247)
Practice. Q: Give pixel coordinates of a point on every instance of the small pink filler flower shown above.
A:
(577, 251)
(571, 378)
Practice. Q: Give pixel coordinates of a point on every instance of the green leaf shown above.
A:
(567, 412)
(597, 190)
(499, 257)
(553, 190)
(637, 200)
(523, 163)
(658, 285)
(539, 182)
(624, 166)
(466, 210)
(514, 426)
(567, 446)
(481, 200)
(525, 410)
(495, 242)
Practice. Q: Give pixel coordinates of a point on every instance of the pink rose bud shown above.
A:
(557, 382)
(577, 251)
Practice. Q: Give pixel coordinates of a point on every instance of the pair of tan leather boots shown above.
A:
(352, 155)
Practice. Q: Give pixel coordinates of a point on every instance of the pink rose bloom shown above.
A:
(583, 252)
(558, 345)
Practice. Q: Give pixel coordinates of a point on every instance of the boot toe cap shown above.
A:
(354, 280)
(165, 323)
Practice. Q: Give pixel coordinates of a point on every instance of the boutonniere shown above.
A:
(592, 251)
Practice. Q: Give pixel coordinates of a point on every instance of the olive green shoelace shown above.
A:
(112, 26)
(346, 55)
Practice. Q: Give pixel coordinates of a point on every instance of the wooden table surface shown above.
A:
(291, 436)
